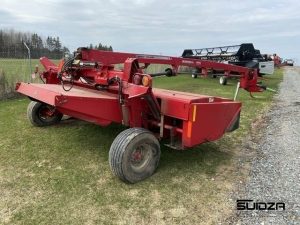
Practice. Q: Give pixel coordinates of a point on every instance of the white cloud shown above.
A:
(161, 26)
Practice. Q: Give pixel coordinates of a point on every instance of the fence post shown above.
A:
(29, 57)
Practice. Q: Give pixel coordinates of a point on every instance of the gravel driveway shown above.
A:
(275, 173)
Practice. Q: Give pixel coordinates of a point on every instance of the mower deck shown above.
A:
(101, 94)
(203, 118)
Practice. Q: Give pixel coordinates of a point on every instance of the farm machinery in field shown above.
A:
(288, 62)
(88, 87)
(242, 55)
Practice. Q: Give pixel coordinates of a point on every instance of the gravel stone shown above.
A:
(275, 172)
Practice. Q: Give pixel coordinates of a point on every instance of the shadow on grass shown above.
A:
(205, 158)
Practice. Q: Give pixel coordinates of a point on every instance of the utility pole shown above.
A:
(29, 57)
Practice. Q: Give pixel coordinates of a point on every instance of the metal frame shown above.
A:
(100, 94)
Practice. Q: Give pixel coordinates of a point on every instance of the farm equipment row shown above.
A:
(242, 55)
(88, 87)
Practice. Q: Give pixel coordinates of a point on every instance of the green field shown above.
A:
(15, 70)
(60, 174)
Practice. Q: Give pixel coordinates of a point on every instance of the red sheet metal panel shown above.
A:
(96, 110)
(175, 103)
(100, 107)
(37, 92)
(208, 121)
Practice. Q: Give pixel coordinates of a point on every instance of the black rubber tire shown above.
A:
(169, 72)
(121, 153)
(195, 72)
(223, 80)
(34, 116)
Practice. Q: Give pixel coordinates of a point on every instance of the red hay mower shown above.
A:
(88, 87)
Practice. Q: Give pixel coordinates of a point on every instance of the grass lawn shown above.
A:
(60, 174)
(15, 70)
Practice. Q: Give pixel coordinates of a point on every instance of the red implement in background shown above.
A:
(88, 87)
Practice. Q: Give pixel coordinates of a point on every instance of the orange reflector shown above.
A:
(189, 129)
(146, 81)
(194, 113)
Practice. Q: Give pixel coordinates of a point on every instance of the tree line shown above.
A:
(12, 45)
(101, 47)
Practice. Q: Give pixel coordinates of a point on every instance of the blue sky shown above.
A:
(161, 27)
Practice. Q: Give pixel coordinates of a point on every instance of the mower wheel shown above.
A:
(223, 80)
(195, 72)
(41, 114)
(194, 75)
(134, 155)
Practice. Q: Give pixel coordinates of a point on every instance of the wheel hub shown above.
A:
(140, 157)
(137, 155)
(46, 112)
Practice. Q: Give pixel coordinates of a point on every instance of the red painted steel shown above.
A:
(100, 94)
(248, 77)
(95, 106)
(209, 121)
